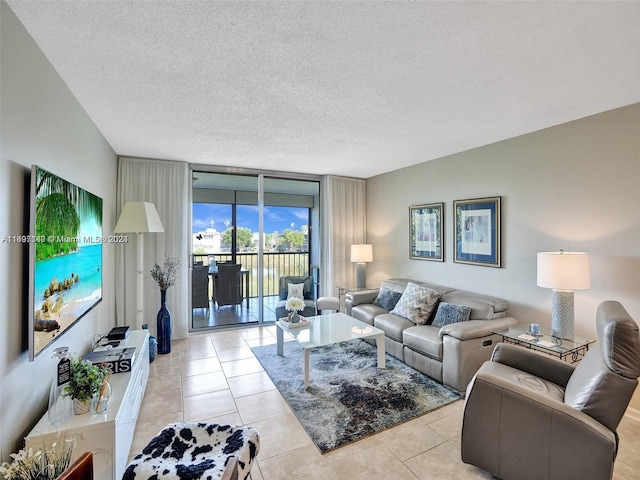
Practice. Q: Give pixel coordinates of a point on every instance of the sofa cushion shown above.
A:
(392, 325)
(424, 339)
(483, 307)
(387, 299)
(417, 303)
(399, 285)
(448, 314)
(367, 312)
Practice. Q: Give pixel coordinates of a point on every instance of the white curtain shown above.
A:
(343, 223)
(165, 184)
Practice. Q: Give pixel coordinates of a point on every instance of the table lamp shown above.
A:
(563, 272)
(361, 254)
(139, 218)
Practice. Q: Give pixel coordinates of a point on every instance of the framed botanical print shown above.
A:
(425, 236)
(477, 231)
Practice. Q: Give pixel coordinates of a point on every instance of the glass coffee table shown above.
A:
(573, 349)
(329, 329)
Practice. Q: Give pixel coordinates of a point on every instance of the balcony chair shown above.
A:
(529, 416)
(200, 287)
(285, 291)
(197, 450)
(227, 285)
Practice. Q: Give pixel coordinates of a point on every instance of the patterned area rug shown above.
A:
(349, 397)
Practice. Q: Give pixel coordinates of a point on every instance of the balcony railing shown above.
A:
(275, 265)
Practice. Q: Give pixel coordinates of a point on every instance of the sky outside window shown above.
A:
(276, 219)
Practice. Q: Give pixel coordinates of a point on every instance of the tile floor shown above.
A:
(214, 377)
(205, 319)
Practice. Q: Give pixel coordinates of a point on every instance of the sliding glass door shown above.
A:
(265, 224)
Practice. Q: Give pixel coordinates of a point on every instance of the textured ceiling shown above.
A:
(348, 88)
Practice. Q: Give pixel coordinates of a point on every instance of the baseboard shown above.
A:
(633, 414)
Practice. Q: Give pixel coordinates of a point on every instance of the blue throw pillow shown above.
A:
(387, 299)
(448, 314)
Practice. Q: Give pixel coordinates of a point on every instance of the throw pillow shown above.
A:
(295, 290)
(308, 292)
(387, 299)
(448, 314)
(417, 303)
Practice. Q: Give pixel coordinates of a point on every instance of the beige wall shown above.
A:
(575, 186)
(42, 123)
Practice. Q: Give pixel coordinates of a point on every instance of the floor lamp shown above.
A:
(361, 254)
(139, 218)
(564, 272)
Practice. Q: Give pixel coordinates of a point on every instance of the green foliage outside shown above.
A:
(290, 240)
(244, 238)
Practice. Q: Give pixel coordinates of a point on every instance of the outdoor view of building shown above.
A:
(286, 229)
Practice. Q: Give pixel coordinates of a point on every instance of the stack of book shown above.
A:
(120, 360)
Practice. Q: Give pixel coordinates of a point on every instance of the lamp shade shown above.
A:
(138, 217)
(361, 253)
(564, 270)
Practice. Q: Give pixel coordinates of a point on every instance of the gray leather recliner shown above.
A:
(530, 416)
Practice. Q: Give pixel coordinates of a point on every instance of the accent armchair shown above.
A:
(532, 416)
(305, 284)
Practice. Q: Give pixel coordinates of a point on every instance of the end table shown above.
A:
(563, 348)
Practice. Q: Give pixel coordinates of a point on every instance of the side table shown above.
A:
(562, 348)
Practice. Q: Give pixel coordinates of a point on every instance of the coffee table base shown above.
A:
(379, 338)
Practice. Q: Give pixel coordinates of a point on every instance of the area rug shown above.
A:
(349, 398)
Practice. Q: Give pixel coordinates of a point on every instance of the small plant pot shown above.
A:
(81, 407)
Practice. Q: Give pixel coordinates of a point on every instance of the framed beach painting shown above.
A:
(425, 225)
(477, 231)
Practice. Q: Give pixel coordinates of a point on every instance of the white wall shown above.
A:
(575, 186)
(41, 123)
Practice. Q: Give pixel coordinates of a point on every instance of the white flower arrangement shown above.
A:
(294, 304)
(45, 464)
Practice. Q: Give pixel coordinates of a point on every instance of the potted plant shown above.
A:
(85, 380)
(44, 463)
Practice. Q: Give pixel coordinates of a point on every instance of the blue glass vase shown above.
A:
(153, 344)
(164, 325)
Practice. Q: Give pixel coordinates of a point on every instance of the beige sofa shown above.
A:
(451, 354)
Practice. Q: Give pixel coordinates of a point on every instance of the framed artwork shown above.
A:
(425, 236)
(477, 231)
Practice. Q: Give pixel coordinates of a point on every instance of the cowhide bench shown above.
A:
(196, 451)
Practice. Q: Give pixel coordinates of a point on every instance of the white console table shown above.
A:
(107, 435)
